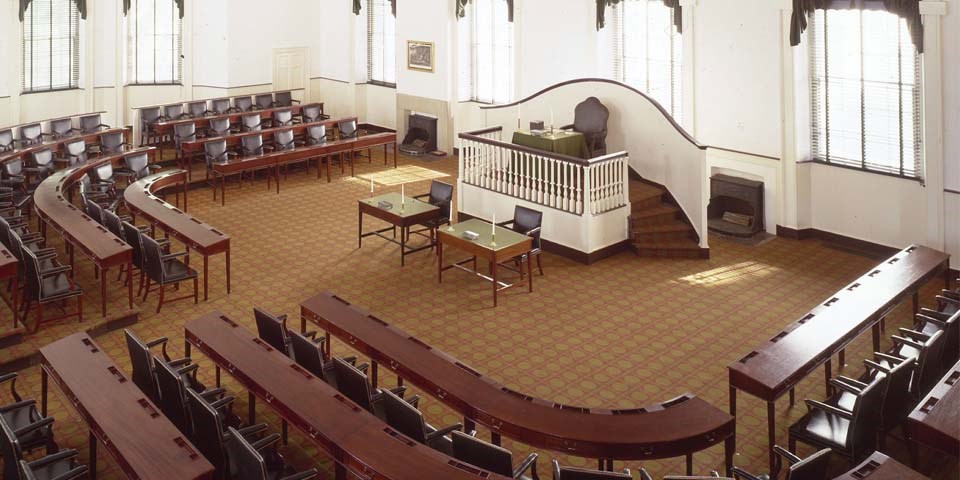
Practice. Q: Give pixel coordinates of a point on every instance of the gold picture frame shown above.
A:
(420, 56)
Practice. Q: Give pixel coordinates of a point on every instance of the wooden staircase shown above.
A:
(658, 227)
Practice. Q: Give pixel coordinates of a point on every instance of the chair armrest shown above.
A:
(212, 393)
(888, 357)
(456, 427)
(17, 405)
(906, 341)
(924, 319)
(849, 381)
(951, 295)
(871, 365)
(913, 334)
(258, 428)
(532, 231)
(48, 254)
(304, 475)
(171, 256)
(414, 401)
(216, 404)
(56, 271)
(282, 317)
(740, 474)
(56, 457)
(566, 127)
(6, 377)
(191, 368)
(815, 405)
(422, 195)
(266, 441)
(529, 463)
(928, 312)
(505, 223)
(79, 471)
(43, 422)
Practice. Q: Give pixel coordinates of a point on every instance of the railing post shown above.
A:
(588, 190)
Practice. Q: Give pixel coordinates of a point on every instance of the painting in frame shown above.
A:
(420, 56)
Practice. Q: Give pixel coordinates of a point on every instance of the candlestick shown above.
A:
(450, 223)
(371, 184)
(403, 198)
(493, 230)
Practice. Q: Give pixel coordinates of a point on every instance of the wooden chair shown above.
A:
(263, 101)
(60, 466)
(30, 134)
(91, 124)
(440, 195)
(528, 222)
(927, 349)
(31, 429)
(897, 401)
(573, 473)
(215, 151)
(61, 128)
(45, 286)
(220, 106)
(930, 321)
(173, 383)
(209, 421)
(590, 118)
(406, 419)
(260, 460)
(243, 104)
(164, 269)
(354, 384)
(813, 467)
(149, 117)
(309, 354)
(197, 109)
(470, 449)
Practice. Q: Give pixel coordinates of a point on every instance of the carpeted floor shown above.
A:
(624, 332)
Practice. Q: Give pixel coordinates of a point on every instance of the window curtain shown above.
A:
(126, 7)
(81, 7)
(462, 9)
(906, 9)
(356, 7)
(674, 4)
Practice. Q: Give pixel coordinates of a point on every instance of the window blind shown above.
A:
(381, 43)
(154, 42)
(485, 53)
(50, 46)
(865, 91)
(647, 51)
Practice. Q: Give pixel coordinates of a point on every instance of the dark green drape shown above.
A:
(356, 7)
(674, 4)
(126, 6)
(462, 9)
(393, 7)
(906, 9)
(81, 7)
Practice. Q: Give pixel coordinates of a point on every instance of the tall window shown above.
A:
(155, 42)
(647, 50)
(485, 53)
(865, 91)
(381, 43)
(51, 46)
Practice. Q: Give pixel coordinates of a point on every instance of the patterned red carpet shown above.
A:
(624, 332)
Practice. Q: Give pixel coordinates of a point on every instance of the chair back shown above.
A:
(10, 448)
(347, 128)
(152, 258)
(141, 360)
(897, 402)
(311, 113)
(252, 144)
(272, 330)
(264, 100)
(441, 194)
(220, 106)
(220, 126)
(215, 151)
(78, 150)
(249, 463)
(590, 116)
(113, 223)
(13, 167)
(250, 123)
(927, 372)
(61, 127)
(283, 99)
(573, 473)
(283, 140)
(43, 157)
(813, 467)
(174, 111)
(103, 172)
(951, 345)
(148, 116)
(172, 396)
(862, 432)
(282, 118)
(316, 135)
(352, 383)
(207, 430)
(30, 134)
(111, 142)
(481, 454)
(244, 104)
(90, 123)
(137, 163)
(93, 210)
(131, 235)
(197, 109)
(5, 231)
(307, 354)
(403, 417)
(33, 289)
(184, 132)
(6, 139)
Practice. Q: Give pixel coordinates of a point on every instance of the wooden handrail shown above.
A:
(475, 137)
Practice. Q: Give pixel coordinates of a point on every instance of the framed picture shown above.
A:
(420, 56)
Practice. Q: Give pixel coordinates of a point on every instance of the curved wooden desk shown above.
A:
(234, 140)
(196, 235)
(57, 144)
(52, 201)
(678, 427)
(358, 442)
(167, 127)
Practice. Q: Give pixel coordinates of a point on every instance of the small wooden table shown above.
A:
(402, 212)
(881, 467)
(565, 142)
(936, 420)
(509, 244)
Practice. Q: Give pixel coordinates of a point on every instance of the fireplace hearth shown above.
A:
(421, 137)
(736, 206)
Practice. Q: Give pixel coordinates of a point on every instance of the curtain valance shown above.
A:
(673, 4)
(906, 9)
(81, 7)
(126, 6)
(462, 8)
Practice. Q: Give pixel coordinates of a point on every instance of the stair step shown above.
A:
(640, 191)
(669, 249)
(674, 226)
(662, 209)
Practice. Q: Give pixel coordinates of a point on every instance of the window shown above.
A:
(865, 91)
(485, 53)
(647, 51)
(51, 46)
(154, 42)
(381, 43)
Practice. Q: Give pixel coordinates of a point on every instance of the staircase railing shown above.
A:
(566, 183)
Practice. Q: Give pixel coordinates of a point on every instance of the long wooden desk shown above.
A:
(936, 420)
(678, 427)
(775, 367)
(356, 440)
(251, 95)
(57, 144)
(144, 443)
(881, 467)
(141, 199)
(53, 205)
(234, 140)
(166, 127)
(275, 159)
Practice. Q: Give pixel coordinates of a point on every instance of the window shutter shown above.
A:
(50, 45)
(381, 43)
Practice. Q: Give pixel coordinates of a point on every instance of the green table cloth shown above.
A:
(562, 142)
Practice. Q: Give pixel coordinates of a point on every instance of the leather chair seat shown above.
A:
(442, 443)
(53, 470)
(176, 271)
(56, 286)
(822, 428)
(21, 417)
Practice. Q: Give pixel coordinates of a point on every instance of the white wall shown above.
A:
(556, 41)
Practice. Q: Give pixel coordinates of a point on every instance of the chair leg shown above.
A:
(146, 290)
(160, 303)
(539, 265)
(80, 308)
(196, 299)
(39, 316)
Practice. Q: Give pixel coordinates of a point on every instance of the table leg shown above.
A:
(385, 156)
(228, 270)
(530, 271)
(251, 408)
(185, 197)
(916, 303)
(729, 450)
(186, 349)
(217, 373)
(223, 189)
(793, 396)
(876, 336)
(394, 154)
(93, 457)
(689, 464)
(43, 391)
(13, 301)
(130, 284)
(403, 246)
(373, 374)
(205, 277)
(495, 438)
(826, 376)
(439, 261)
(842, 357)
(468, 425)
(103, 291)
(493, 273)
(359, 228)
(329, 157)
(277, 173)
(771, 432)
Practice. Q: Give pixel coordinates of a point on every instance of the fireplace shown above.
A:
(736, 206)
(421, 135)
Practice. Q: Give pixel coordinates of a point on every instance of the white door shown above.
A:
(290, 70)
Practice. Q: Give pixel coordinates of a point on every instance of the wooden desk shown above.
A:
(509, 244)
(8, 271)
(167, 127)
(141, 199)
(195, 147)
(274, 92)
(936, 420)
(142, 441)
(53, 205)
(357, 441)
(677, 427)
(56, 145)
(881, 467)
(47, 121)
(776, 366)
(404, 215)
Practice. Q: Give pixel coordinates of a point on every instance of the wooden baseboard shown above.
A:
(842, 242)
(794, 234)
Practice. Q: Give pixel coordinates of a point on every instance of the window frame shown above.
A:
(132, 42)
(386, 13)
(469, 35)
(75, 24)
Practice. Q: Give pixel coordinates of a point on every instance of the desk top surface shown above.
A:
(55, 144)
(111, 404)
(881, 467)
(505, 237)
(268, 112)
(363, 443)
(305, 151)
(682, 425)
(400, 206)
(939, 414)
(235, 138)
(770, 369)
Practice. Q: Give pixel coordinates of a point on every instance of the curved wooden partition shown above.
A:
(677, 427)
(56, 144)
(141, 199)
(52, 201)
